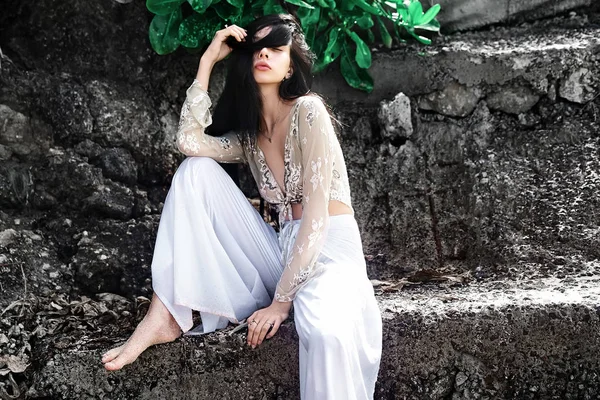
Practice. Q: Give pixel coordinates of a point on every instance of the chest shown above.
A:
(273, 154)
(277, 168)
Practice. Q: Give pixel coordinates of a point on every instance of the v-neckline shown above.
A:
(285, 150)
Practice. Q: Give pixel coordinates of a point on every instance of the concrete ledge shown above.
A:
(529, 339)
(533, 56)
(458, 15)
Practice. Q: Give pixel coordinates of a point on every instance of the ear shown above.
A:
(290, 73)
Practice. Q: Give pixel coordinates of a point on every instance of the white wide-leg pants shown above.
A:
(215, 254)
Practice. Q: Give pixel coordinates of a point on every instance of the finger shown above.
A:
(235, 32)
(274, 329)
(240, 31)
(253, 336)
(252, 324)
(263, 331)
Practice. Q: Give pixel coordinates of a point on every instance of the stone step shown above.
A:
(534, 339)
(459, 15)
(558, 55)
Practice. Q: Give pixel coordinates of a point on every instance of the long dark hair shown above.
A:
(240, 106)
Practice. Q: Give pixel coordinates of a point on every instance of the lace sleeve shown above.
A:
(191, 139)
(316, 137)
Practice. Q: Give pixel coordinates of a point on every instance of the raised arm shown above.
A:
(316, 136)
(195, 113)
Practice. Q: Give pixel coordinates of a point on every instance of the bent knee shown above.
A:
(196, 166)
(199, 162)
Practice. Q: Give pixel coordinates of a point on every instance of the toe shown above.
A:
(111, 354)
(114, 365)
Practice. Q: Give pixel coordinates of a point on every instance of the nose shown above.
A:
(264, 52)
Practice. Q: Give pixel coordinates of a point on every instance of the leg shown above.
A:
(339, 323)
(213, 253)
(158, 326)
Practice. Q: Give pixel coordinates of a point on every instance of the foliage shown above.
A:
(334, 29)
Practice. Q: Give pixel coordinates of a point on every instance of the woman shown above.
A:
(215, 254)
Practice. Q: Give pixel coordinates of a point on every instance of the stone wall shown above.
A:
(474, 161)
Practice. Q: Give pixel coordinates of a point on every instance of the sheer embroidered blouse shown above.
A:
(314, 173)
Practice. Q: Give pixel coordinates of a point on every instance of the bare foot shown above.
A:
(158, 326)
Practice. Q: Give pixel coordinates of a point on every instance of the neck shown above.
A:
(272, 105)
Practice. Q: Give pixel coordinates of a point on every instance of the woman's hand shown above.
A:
(262, 320)
(218, 49)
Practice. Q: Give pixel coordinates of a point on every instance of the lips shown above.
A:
(262, 66)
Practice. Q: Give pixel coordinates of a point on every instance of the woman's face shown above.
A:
(271, 64)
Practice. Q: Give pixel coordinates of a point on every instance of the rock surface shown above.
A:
(459, 15)
(477, 162)
(537, 339)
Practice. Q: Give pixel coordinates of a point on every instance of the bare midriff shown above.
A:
(336, 207)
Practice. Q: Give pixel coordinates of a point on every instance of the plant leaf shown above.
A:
(237, 3)
(429, 15)
(299, 3)
(432, 26)
(365, 21)
(386, 38)
(334, 47)
(308, 16)
(273, 7)
(420, 38)
(363, 53)
(164, 32)
(356, 77)
(415, 10)
(366, 6)
(309, 19)
(325, 4)
(163, 7)
(197, 30)
(227, 12)
(199, 5)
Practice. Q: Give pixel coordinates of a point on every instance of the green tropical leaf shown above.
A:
(326, 4)
(404, 16)
(308, 16)
(309, 19)
(370, 36)
(346, 6)
(363, 53)
(199, 5)
(246, 17)
(420, 38)
(237, 3)
(197, 30)
(429, 15)
(415, 11)
(299, 3)
(227, 12)
(365, 21)
(386, 38)
(324, 21)
(273, 7)
(356, 77)
(432, 26)
(365, 6)
(334, 46)
(163, 7)
(164, 32)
